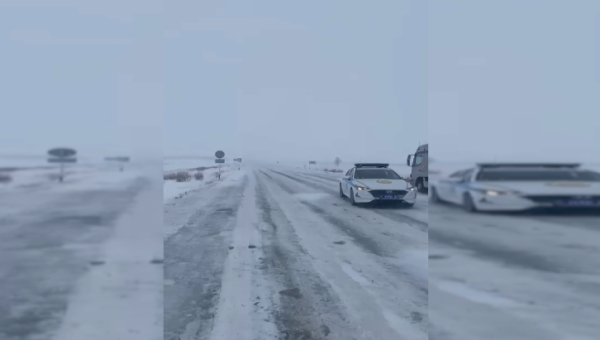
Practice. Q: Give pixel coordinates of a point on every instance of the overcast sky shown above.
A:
(510, 80)
(296, 80)
(516, 80)
(81, 74)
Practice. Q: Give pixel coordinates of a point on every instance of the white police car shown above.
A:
(376, 182)
(519, 187)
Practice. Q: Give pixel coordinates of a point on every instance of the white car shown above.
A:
(376, 182)
(519, 187)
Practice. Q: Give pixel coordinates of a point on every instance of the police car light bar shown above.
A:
(371, 165)
(528, 165)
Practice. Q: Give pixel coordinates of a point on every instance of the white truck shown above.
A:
(419, 174)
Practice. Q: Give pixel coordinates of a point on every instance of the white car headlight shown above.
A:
(361, 188)
(499, 193)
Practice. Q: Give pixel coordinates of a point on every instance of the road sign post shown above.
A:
(219, 154)
(62, 156)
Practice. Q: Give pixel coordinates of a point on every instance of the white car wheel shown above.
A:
(468, 203)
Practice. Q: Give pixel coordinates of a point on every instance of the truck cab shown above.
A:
(419, 162)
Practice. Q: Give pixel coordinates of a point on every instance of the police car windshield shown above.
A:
(538, 175)
(376, 174)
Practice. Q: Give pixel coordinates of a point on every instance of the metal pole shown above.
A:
(62, 172)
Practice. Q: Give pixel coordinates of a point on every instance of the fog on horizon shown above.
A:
(97, 89)
(281, 81)
(513, 81)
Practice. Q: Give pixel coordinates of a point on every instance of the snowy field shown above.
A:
(272, 252)
(174, 190)
(507, 276)
(180, 163)
(80, 259)
(30, 162)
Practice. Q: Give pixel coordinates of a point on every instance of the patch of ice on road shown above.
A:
(311, 197)
(400, 325)
(415, 262)
(474, 295)
(170, 230)
(354, 275)
(122, 298)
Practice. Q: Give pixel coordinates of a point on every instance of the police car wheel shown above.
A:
(468, 203)
(352, 197)
(341, 192)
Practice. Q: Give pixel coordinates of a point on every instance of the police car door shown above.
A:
(462, 186)
(348, 181)
(445, 186)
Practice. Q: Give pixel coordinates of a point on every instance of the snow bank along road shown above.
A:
(513, 276)
(75, 258)
(275, 253)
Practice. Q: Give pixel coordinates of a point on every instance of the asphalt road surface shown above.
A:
(275, 253)
(513, 276)
(53, 240)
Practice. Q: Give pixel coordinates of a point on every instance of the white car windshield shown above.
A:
(376, 174)
(538, 175)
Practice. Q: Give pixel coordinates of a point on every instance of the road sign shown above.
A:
(62, 152)
(117, 159)
(219, 154)
(312, 162)
(62, 160)
(62, 156)
(219, 161)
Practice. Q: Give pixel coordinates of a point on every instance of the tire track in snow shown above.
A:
(391, 214)
(362, 240)
(385, 301)
(319, 178)
(315, 179)
(243, 311)
(306, 307)
(194, 259)
(359, 238)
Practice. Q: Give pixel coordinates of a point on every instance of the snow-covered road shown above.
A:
(513, 276)
(76, 257)
(274, 253)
